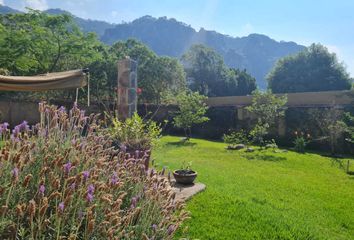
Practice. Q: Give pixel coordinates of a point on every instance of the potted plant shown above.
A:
(185, 175)
(135, 137)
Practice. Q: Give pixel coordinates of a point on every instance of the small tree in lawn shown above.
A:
(333, 128)
(192, 110)
(267, 107)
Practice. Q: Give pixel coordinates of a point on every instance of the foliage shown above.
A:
(258, 132)
(314, 69)
(332, 128)
(60, 45)
(157, 75)
(134, 133)
(263, 194)
(300, 144)
(38, 43)
(267, 108)
(61, 180)
(348, 119)
(236, 137)
(191, 110)
(209, 75)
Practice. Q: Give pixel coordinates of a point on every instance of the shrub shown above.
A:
(234, 138)
(300, 144)
(192, 110)
(63, 180)
(267, 107)
(134, 133)
(301, 141)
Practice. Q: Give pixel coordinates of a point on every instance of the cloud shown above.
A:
(2, 2)
(36, 4)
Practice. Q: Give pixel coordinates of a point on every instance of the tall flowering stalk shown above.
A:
(62, 180)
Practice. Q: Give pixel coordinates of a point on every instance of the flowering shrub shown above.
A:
(62, 180)
(301, 141)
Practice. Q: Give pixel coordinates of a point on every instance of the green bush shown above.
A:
(63, 180)
(300, 144)
(236, 137)
(134, 133)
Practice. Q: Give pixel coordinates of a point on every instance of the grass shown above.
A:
(263, 195)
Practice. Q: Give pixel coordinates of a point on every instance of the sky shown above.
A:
(327, 22)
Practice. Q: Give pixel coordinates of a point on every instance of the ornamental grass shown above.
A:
(61, 179)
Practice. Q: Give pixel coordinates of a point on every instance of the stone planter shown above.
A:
(185, 177)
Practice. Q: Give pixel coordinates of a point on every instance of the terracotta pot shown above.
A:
(146, 154)
(185, 177)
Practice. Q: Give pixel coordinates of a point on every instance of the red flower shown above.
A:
(139, 91)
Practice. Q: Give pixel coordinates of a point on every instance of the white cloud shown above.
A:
(2, 2)
(36, 4)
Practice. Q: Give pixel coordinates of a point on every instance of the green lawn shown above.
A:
(263, 195)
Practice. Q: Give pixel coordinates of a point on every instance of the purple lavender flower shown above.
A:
(114, 178)
(14, 172)
(86, 175)
(170, 229)
(80, 214)
(61, 206)
(123, 148)
(62, 109)
(14, 138)
(137, 153)
(89, 197)
(91, 189)
(73, 141)
(133, 202)
(6, 125)
(42, 189)
(16, 131)
(154, 227)
(67, 167)
(24, 126)
(73, 186)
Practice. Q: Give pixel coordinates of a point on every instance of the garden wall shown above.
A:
(225, 113)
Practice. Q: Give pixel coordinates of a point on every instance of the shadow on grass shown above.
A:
(269, 158)
(181, 144)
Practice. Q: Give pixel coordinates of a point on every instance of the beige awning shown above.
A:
(50, 81)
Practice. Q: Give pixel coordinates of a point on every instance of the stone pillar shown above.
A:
(127, 88)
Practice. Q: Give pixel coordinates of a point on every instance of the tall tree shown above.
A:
(313, 69)
(36, 42)
(208, 74)
(157, 76)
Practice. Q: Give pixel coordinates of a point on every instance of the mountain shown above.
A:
(166, 36)
(6, 10)
(257, 53)
(86, 25)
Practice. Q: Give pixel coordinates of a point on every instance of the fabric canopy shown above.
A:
(50, 81)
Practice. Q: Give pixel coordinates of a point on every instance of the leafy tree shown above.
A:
(156, 75)
(192, 110)
(330, 125)
(209, 75)
(267, 108)
(36, 43)
(313, 69)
